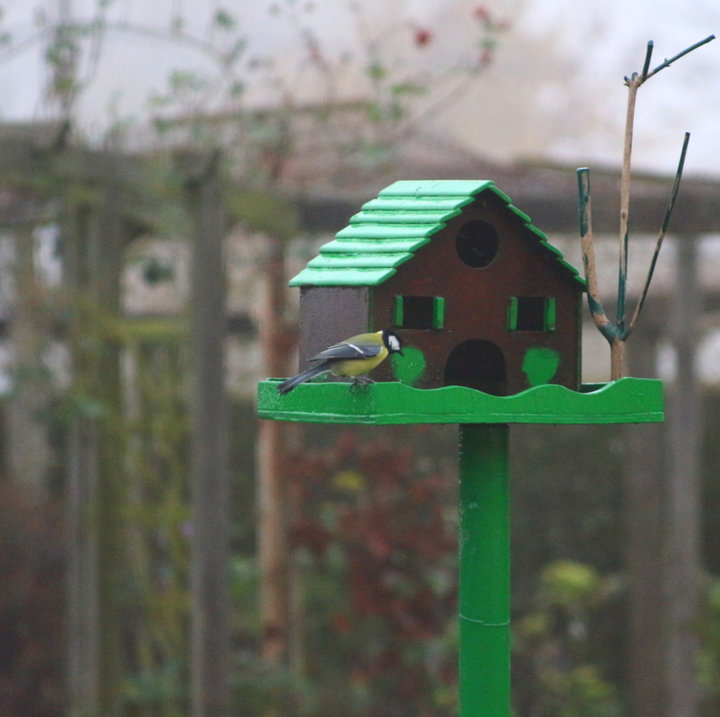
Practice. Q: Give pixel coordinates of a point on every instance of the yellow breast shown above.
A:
(355, 367)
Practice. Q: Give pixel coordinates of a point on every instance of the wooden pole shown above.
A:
(644, 528)
(27, 444)
(273, 545)
(682, 548)
(273, 490)
(81, 588)
(484, 571)
(93, 241)
(210, 628)
(106, 248)
(82, 606)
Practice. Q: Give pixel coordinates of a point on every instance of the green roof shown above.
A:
(388, 230)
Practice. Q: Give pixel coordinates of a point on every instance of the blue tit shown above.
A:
(353, 357)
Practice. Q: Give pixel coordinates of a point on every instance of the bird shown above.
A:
(351, 358)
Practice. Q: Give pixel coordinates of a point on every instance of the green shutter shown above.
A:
(550, 314)
(438, 312)
(398, 312)
(512, 313)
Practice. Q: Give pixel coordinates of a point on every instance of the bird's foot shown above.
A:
(360, 383)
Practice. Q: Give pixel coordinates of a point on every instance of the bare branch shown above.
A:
(617, 332)
(588, 255)
(667, 63)
(633, 83)
(648, 57)
(661, 236)
(633, 86)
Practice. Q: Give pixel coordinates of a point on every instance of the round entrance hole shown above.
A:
(477, 243)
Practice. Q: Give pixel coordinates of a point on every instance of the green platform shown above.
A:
(628, 400)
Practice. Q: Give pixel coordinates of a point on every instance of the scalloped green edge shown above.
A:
(627, 400)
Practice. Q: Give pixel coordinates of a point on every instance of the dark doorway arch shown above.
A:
(478, 364)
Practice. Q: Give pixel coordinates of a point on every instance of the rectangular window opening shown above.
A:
(532, 313)
(419, 312)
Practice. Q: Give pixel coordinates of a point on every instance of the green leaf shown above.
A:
(235, 51)
(264, 212)
(488, 43)
(565, 582)
(376, 71)
(373, 113)
(224, 20)
(236, 89)
(408, 88)
(186, 80)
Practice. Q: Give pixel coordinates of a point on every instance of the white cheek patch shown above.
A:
(393, 343)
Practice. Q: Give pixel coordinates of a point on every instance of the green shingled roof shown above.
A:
(388, 230)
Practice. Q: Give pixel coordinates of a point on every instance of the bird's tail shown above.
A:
(289, 384)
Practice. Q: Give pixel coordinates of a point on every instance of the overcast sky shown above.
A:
(554, 91)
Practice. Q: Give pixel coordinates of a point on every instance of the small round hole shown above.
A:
(477, 243)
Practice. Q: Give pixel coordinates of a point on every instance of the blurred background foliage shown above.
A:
(374, 539)
(371, 523)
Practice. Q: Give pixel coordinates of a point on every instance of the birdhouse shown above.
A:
(479, 295)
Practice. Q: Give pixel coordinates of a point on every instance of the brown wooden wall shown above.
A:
(477, 299)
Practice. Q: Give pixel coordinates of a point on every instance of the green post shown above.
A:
(484, 571)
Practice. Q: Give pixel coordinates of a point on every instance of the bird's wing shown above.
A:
(347, 350)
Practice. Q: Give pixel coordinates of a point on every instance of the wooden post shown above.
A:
(27, 443)
(81, 530)
(94, 238)
(106, 251)
(644, 529)
(210, 638)
(484, 571)
(273, 498)
(682, 547)
(82, 595)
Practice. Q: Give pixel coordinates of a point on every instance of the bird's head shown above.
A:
(392, 342)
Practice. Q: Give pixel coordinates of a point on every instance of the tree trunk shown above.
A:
(618, 367)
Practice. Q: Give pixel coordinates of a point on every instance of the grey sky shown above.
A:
(555, 89)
